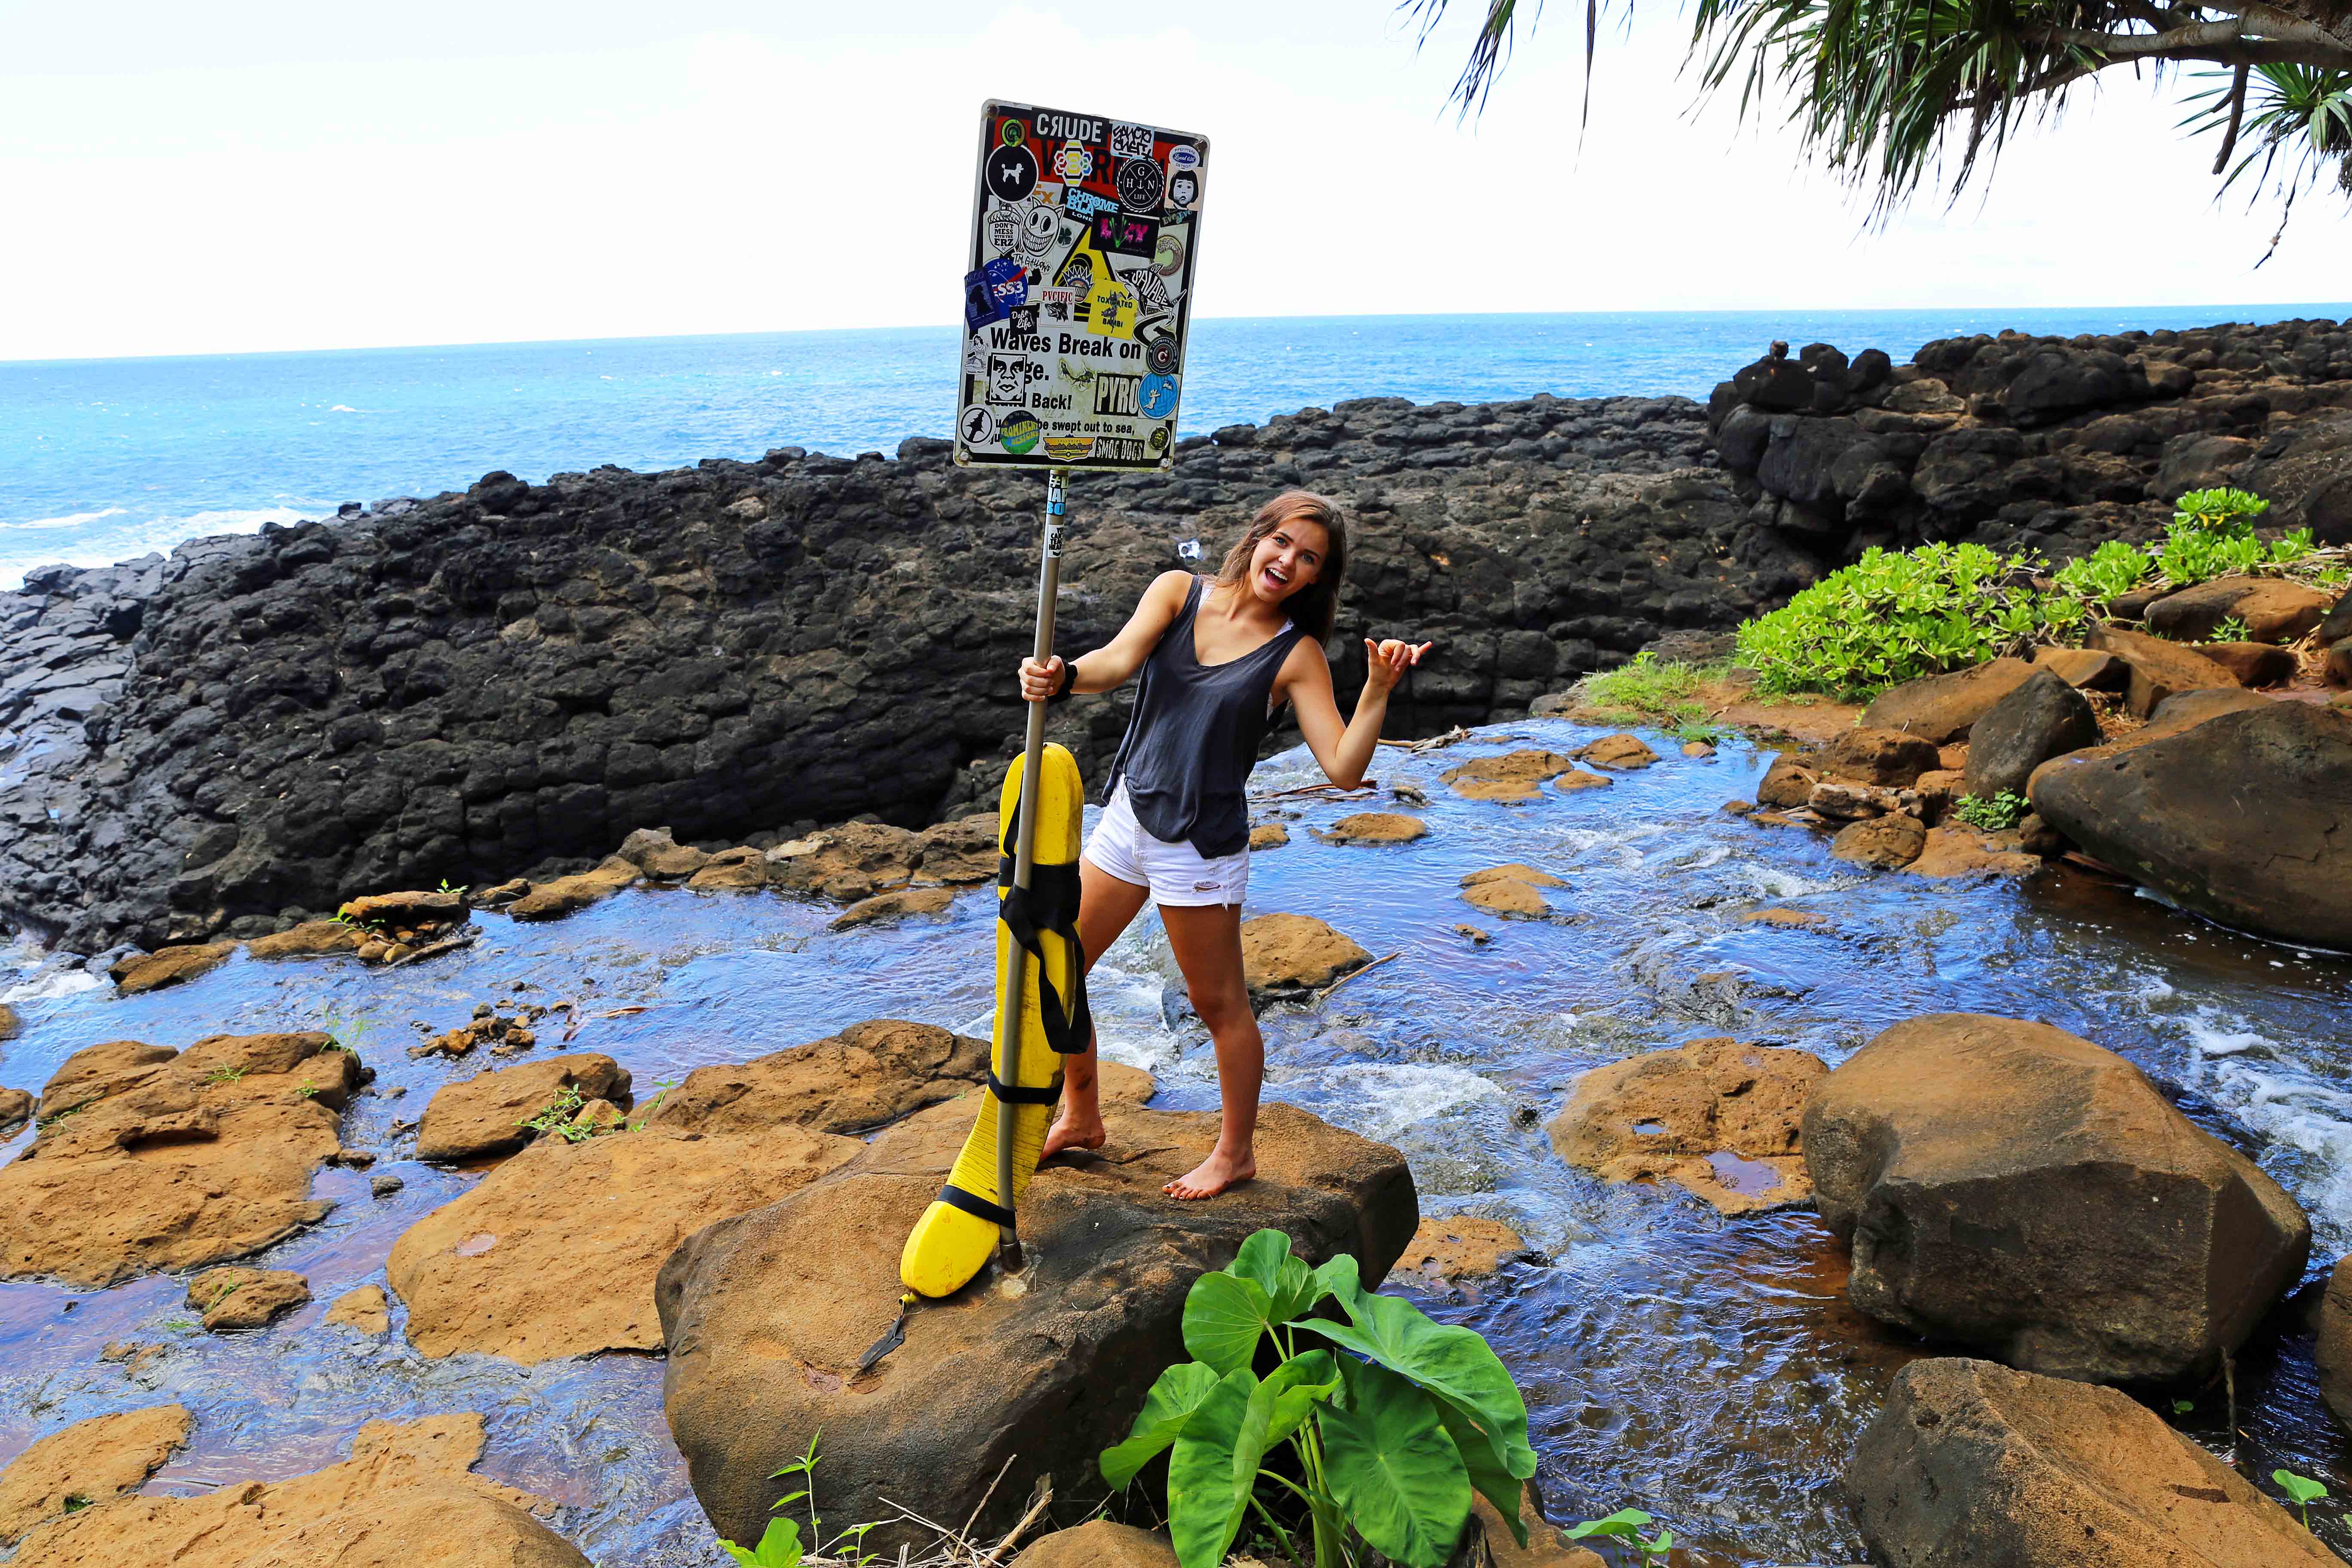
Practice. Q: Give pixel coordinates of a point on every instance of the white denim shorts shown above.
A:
(1176, 874)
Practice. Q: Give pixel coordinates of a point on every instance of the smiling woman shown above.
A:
(1216, 657)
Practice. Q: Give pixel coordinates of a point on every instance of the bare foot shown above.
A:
(1212, 1177)
(1074, 1129)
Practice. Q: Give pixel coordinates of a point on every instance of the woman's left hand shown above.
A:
(1387, 660)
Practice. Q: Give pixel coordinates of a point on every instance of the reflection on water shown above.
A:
(1708, 1369)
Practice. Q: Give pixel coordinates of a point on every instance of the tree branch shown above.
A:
(2237, 116)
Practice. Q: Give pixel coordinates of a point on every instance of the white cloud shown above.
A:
(280, 178)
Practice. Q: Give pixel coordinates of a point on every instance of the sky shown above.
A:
(267, 174)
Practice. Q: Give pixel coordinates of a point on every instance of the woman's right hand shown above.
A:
(1040, 681)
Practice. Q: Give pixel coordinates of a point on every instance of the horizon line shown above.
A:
(2342, 306)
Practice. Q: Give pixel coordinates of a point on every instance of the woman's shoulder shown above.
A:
(1174, 584)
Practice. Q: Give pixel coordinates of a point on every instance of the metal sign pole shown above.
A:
(1025, 857)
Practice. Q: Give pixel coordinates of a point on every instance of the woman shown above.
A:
(1217, 656)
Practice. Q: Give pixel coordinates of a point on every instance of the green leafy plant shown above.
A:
(556, 1116)
(2006, 809)
(1388, 1441)
(307, 1091)
(346, 1031)
(2114, 569)
(853, 1538)
(2231, 630)
(1645, 691)
(780, 1547)
(1626, 1525)
(1893, 616)
(661, 1092)
(75, 1502)
(2301, 1490)
(2183, 1406)
(2224, 511)
(224, 1073)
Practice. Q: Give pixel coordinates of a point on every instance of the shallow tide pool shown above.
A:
(1706, 1370)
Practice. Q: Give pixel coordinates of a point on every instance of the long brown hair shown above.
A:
(1314, 607)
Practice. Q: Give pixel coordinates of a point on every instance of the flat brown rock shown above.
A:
(1269, 836)
(1288, 956)
(1788, 783)
(742, 871)
(2274, 609)
(96, 1071)
(554, 1253)
(311, 938)
(91, 1461)
(1620, 753)
(174, 1165)
(868, 1075)
(1962, 851)
(2085, 669)
(169, 966)
(1506, 897)
(364, 1307)
(1460, 1246)
(774, 1313)
(1515, 872)
(853, 861)
(1098, 1543)
(569, 895)
(1783, 917)
(894, 906)
(1888, 759)
(2253, 663)
(483, 1115)
(1576, 779)
(1941, 708)
(1717, 1117)
(1889, 842)
(2009, 1186)
(1376, 827)
(962, 852)
(404, 1500)
(1971, 1462)
(1513, 775)
(2159, 668)
(407, 916)
(233, 1298)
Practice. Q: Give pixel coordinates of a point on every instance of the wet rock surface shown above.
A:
(89, 1462)
(233, 1298)
(1971, 1462)
(2010, 1186)
(866, 1077)
(775, 1310)
(1285, 956)
(1719, 1118)
(152, 1159)
(2245, 818)
(484, 1114)
(404, 1497)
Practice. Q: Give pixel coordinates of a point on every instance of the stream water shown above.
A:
(1706, 1370)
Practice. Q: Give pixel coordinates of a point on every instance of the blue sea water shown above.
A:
(102, 460)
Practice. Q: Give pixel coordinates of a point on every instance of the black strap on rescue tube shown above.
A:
(1049, 903)
(1014, 1094)
(955, 1197)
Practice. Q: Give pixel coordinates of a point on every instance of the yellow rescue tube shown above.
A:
(954, 1239)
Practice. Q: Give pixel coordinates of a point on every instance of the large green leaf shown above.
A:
(1397, 1476)
(1339, 1277)
(1223, 1316)
(1214, 1468)
(1453, 1362)
(1487, 1473)
(1166, 1409)
(1290, 1286)
(1297, 1386)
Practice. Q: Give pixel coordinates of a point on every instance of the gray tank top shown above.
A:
(1194, 737)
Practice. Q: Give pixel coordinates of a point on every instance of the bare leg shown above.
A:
(1208, 943)
(1106, 905)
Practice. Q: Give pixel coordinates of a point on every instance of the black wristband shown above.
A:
(1069, 683)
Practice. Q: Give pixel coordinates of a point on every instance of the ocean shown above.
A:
(103, 460)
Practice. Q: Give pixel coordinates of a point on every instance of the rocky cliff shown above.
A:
(513, 678)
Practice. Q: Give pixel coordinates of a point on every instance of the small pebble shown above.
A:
(1477, 936)
(384, 1186)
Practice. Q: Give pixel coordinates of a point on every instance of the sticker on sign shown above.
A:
(1077, 299)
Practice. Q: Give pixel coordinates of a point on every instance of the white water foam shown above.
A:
(2257, 1082)
(98, 541)
(70, 520)
(1380, 1099)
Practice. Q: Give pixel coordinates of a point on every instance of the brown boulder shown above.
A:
(569, 895)
(2245, 819)
(962, 852)
(156, 1165)
(2159, 668)
(1959, 850)
(1514, 775)
(1889, 759)
(1576, 779)
(774, 1311)
(1459, 1246)
(1841, 802)
(2040, 719)
(2252, 663)
(484, 1115)
(853, 861)
(554, 1253)
(740, 870)
(2085, 669)
(1717, 1117)
(1889, 842)
(364, 1307)
(1287, 956)
(233, 1298)
(658, 854)
(1969, 1462)
(413, 916)
(1787, 783)
(11, 1025)
(1937, 791)
(17, 1108)
(894, 906)
(403, 1499)
(2191, 709)
(1512, 891)
(866, 1077)
(1269, 836)
(2274, 609)
(1621, 752)
(1376, 827)
(1099, 1543)
(1496, 1547)
(89, 1462)
(2335, 1342)
(1941, 708)
(311, 938)
(143, 973)
(2008, 1185)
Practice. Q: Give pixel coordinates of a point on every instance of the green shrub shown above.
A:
(1646, 691)
(2223, 511)
(1389, 1447)
(1892, 618)
(2006, 809)
(2112, 570)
